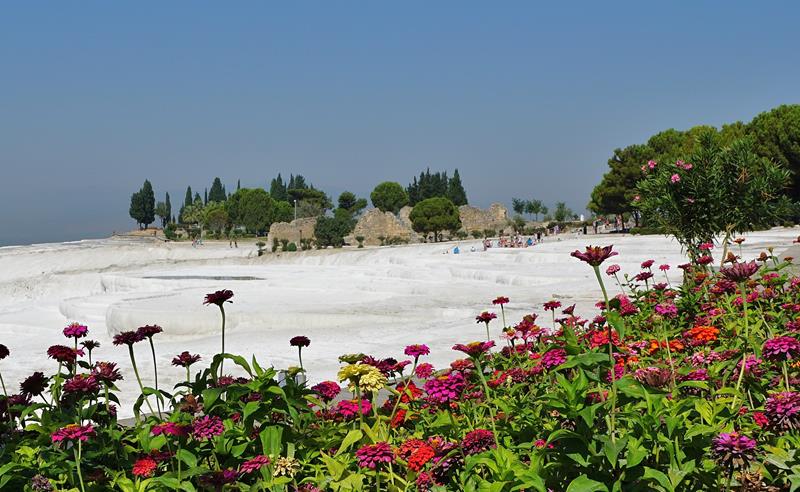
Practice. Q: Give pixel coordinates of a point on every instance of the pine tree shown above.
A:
(188, 199)
(290, 186)
(197, 198)
(455, 190)
(205, 197)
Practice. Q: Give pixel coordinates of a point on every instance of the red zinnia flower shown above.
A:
(148, 331)
(219, 297)
(500, 300)
(144, 467)
(185, 359)
(474, 349)
(63, 354)
(485, 317)
(127, 338)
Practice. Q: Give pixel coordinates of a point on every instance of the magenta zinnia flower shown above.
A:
(783, 411)
(219, 297)
(254, 464)
(81, 385)
(611, 270)
(424, 370)
(207, 426)
(485, 317)
(739, 272)
(170, 429)
(185, 359)
(372, 455)
(733, 450)
(554, 358)
(326, 390)
(72, 432)
(417, 351)
(594, 255)
(781, 349)
(648, 263)
(148, 331)
(477, 441)
(444, 389)
(76, 330)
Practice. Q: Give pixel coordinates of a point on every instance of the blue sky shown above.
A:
(526, 99)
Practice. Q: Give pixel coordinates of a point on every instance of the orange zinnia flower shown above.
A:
(703, 334)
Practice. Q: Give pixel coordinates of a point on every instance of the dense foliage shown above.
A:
(775, 135)
(683, 388)
(435, 215)
(143, 205)
(389, 197)
(432, 185)
(715, 190)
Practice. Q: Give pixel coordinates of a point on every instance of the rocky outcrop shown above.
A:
(476, 219)
(292, 231)
(375, 224)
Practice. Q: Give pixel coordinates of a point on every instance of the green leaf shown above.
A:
(351, 438)
(616, 321)
(271, 440)
(585, 484)
(210, 396)
(659, 477)
(187, 457)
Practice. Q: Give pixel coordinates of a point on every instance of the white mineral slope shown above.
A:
(374, 300)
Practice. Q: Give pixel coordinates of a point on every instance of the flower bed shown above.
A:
(666, 387)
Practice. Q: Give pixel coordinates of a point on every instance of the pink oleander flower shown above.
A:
(612, 270)
(444, 389)
(485, 317)
(780, 349)
(675, 178)
(72, 432)
(326, 390)
(783, 411)
(299, 341)
(733, 450)
(254, 464)
(474, 349)
(76, 330)
(219, 297)
(594, 255)
(477, 441)
(651, 164)
(207, 426)
(185, 359)
(553, 358)
(417, 351)
(683, 165)
(424, 370)
(739, 272)
(371, 456)
(171, 429)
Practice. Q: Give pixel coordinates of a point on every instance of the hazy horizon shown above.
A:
(525, 100)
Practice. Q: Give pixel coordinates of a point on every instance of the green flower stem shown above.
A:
(488, 394)
(746, 341)
(188, 378)
(503, 313)
(222, 362)
(611, 361)
(5, 393)
(155, 375)
(669, 353)
(105, 389)
(138, 379)
(405, 391)
(300, 356)
(77, 451)
(786, 376)
(57, 387)
(488, 337)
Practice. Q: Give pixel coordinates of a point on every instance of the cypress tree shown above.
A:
(217, 192)
(455, 190)
(188, 199)
(136, 209)
(205, 197)
(169, 207)
(148, 204)
(238, 184)
(197, 198)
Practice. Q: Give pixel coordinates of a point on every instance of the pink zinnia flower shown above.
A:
(594, 255)
(424, 370)
(170, 429)
(663, 268)
(326, 390)
(783, 411)
(207, 426)
(611, 270)
(185, 359)
(554, 358)
(254, 464)
(474, 349)
(72, 432)
(779, 349)
(551, 305)
(76, 330)
(371, 456)
(733, 450)
(477, 441)
(485, 317)
(417, 350)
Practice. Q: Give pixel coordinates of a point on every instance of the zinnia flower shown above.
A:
(611, 270)
(371, 456)
(106, 372)
(500, 300)
(485, 317)
(647, 263)
(349, 409)
(34, 385)
(3, 351)
(326, 390)
(739, 272)
(148, 331)
(90, 344)
(783, 411)
(63, 354)
(71, 432)
(285, 467)
(781, 349)
(551, 305)
(477, 441)
(554, 358)
(207, 426)
(424, 370)
(254, 464)
(733, 450)
(594, 255)
(417, 350)
(144, 467)
(299, 341)
(185, 359)
(76, 330)
(171, 429)
(127, 338)
(81, 385)
(444, 389)
(474, 349)
(219, 297)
